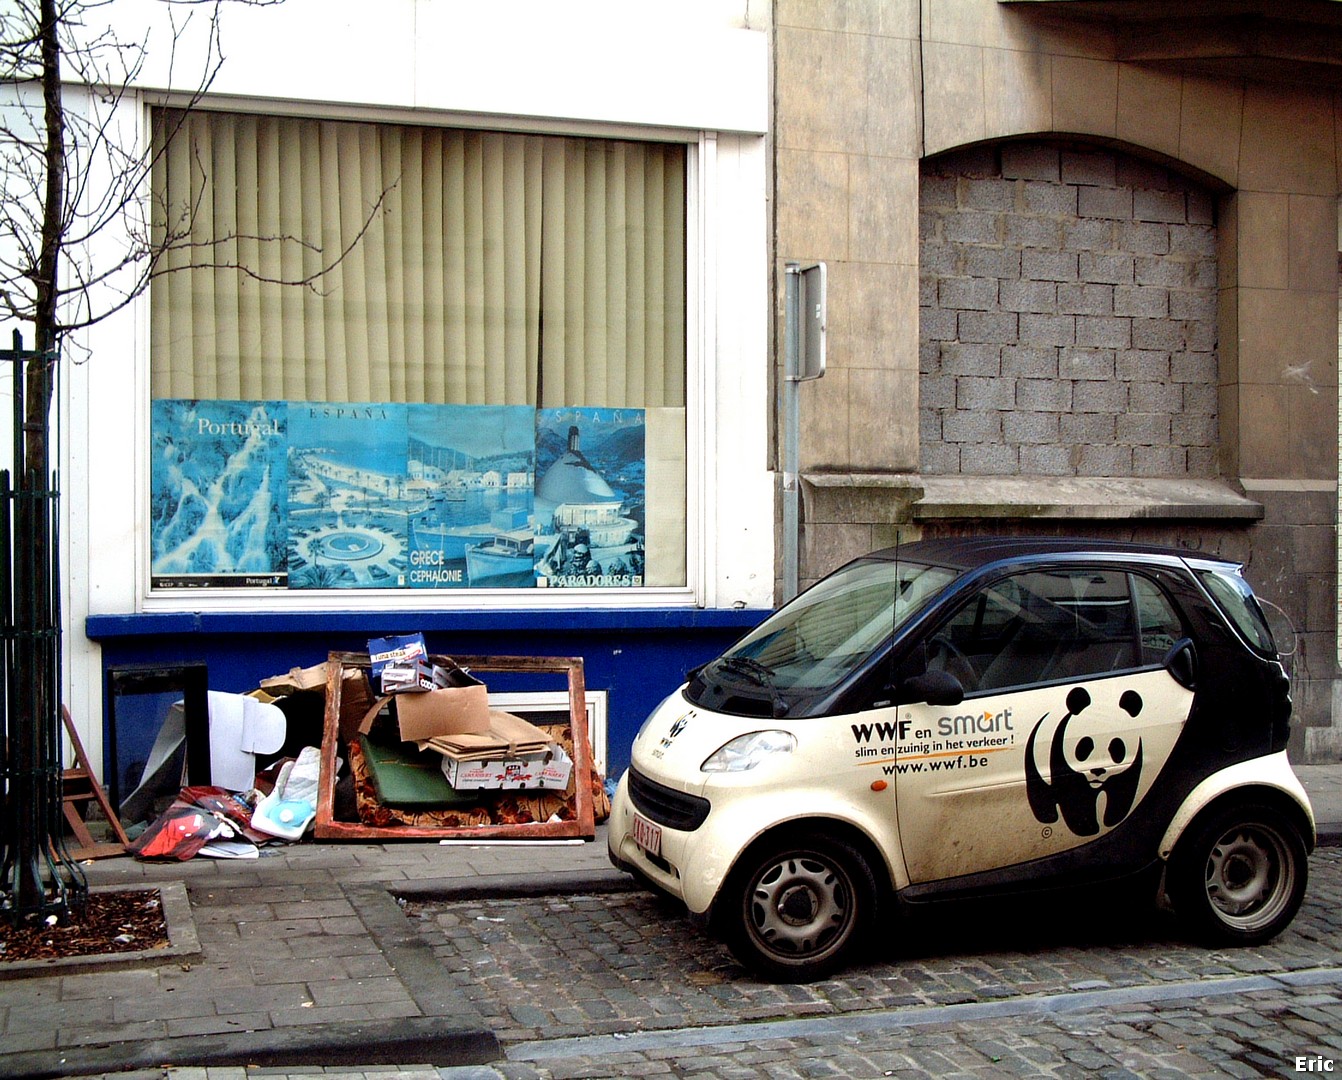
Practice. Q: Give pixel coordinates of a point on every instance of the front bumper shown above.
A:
(662, 871)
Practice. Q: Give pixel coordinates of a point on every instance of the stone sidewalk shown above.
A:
(305, 956)
(300, 956)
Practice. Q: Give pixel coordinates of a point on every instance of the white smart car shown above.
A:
(958, 717)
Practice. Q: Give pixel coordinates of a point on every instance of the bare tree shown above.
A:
(69, 177)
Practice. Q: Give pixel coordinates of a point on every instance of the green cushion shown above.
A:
(405, 776)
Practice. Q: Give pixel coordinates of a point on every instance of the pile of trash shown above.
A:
(243, 808)
(424, 749)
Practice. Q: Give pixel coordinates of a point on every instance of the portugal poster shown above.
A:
(217, 494)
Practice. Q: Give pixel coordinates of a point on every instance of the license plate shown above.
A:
(647, 835)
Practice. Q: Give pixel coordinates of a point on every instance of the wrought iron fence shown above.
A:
(37, 874)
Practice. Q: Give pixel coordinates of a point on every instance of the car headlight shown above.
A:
(746, 751)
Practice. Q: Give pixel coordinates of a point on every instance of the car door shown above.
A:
(1069, 714)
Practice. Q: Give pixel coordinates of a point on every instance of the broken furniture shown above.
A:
(335, 745)
(79, 787)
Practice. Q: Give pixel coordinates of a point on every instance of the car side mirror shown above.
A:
(931, 688)
(1182, 663)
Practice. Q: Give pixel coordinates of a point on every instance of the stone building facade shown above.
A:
(1083, 265)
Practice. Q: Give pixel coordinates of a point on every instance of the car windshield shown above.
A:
(811, 644)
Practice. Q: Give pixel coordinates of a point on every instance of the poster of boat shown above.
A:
(471, 468)
(217, 483)
(589, 511)
(349, 488)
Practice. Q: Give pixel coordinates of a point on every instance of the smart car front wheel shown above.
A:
(795, 908)
(1238, 878)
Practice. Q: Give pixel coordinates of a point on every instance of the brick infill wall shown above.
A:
(1068, 316)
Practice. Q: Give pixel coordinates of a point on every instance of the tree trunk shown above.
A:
(35, 793)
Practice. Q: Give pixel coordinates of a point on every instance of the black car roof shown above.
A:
(968, 552)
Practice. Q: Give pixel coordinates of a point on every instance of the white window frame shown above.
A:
(526, 703)
(700, 408)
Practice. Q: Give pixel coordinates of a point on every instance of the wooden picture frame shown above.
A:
(581, 827)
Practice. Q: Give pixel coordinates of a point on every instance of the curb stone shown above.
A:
(432, 1040)
(514, 886)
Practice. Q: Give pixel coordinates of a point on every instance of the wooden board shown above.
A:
(582, 827)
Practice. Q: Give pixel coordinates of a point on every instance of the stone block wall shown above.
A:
(1068, 313)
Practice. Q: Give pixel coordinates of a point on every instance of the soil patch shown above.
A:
(113, 921)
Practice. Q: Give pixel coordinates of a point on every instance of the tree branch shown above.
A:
(71, 190)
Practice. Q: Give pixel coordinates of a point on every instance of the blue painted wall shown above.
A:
(637, 656)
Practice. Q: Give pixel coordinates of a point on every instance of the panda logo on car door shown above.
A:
(1100, 769)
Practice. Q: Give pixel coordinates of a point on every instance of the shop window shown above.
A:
(402, 357)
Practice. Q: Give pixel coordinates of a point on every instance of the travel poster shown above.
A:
(349, 487)
(471, 469)
(318, 495)
(217, 484)
(591, 466)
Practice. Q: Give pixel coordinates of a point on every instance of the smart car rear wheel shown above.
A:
(796, 908)
(1239, 877)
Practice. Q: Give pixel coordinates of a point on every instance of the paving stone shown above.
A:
(212, 1025)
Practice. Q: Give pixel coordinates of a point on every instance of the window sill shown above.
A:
(1079, 498)
(648, 620)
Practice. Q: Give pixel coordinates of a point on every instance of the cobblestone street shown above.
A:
(623, 985)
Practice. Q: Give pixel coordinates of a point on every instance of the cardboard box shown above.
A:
(382, 651)
(549, 769)
(410, 676)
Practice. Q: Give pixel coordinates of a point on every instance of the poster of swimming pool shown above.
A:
(349, 485)
(217, 481)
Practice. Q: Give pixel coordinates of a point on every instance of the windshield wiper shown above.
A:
(752, 669)
(760, 674)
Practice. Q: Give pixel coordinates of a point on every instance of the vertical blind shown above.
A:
(335, 261)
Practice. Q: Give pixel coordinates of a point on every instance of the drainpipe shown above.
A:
(804, 359)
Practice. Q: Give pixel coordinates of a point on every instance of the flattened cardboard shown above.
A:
(454, 710)
(508, 736)
(296, 679)
(356, 698)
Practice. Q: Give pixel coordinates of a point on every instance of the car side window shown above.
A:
(1040, 627)
(966, 644)
(1159, 624)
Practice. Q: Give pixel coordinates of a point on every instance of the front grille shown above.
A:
(665, 805)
